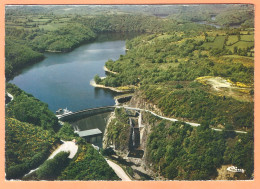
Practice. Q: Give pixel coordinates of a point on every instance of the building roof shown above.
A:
(89, 132)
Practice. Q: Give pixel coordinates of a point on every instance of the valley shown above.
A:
(179, 92)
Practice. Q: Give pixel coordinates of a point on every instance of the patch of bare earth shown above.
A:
(222, 87)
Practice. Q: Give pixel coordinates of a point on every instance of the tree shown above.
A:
(235, 49)
(97, 79)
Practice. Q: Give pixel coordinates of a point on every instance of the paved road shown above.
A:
(67, 146)
(171, 119)
(162, 117)
(118, 170)
(10, 96)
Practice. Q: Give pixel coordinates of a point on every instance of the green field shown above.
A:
(218, 43)
(163, 37)
(210, 38)
(52, 26)
(241, 45)
(249, 31)
(232, 39)
(247, 38)
(48, 23)
(41, 19)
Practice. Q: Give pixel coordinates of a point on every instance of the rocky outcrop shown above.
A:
(118, 132)
(143, 122)
(138, 101)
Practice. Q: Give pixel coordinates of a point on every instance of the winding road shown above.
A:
(67, 146)
(10, 96)
(172, 119)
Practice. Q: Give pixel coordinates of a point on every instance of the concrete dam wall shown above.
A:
(72, 117)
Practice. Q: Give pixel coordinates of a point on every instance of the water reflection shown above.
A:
(97, 92)
(210, 24)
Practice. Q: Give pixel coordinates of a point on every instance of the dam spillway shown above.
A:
(89, 119)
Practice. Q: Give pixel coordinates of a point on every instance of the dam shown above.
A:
(90, 124)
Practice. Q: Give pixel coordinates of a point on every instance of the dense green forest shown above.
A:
(18, 56)
(27, 146)
(181, 152)
(180, 63)
(25, 47)
(178, 151)
(193, 104)
(51, 168)
(28, 109)
(88, 164)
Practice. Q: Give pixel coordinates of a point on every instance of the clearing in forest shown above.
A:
(224, 87)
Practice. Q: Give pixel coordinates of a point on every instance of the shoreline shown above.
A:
(53, 51)
(107, 70)
(93, 83)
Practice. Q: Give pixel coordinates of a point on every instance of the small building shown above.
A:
(235, 169)
(91, 136)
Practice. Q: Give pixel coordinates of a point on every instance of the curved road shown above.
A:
(172, 119)
(67, 146)
(10, 96)
(118, 170)
(162, 117)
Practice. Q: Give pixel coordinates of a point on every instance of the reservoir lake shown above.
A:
(62, 80)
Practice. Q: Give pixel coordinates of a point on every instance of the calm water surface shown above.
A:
(62, 79)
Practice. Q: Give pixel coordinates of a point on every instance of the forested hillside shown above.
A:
(33, 132)
(180, 152)
(180, 73)
(88, 165)
(193, 63)
(28, 109)
(27, 146)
